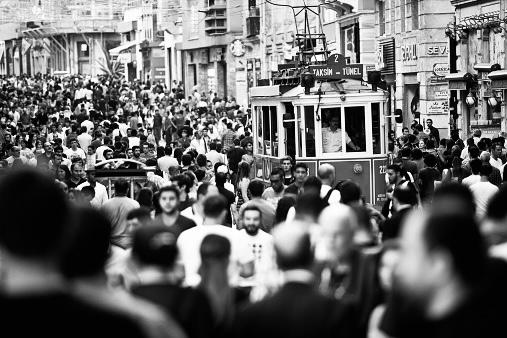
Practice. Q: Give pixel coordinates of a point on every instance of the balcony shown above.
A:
(253, 26)
(216, 4)
(216, 26)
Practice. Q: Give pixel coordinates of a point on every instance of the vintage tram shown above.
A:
(340, 121)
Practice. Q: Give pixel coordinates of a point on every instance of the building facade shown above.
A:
(413, 57)
(478, 85)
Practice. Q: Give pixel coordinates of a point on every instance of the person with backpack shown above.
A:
(327, 175)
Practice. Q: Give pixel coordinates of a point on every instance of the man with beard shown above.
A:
(445, 285)
(259, 241)
(169, 201)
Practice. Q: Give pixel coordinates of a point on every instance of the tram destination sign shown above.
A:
(337, 69)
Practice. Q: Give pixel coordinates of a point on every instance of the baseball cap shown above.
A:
(155, 244)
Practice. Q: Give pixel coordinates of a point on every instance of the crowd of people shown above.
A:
(203, 248)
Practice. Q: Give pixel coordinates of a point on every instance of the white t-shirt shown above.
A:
(84, 141)
(189, 244)
(134, 141)
(165, 162)
(89, 126)
(262, 247)
(100, 152)
(193, 215)
(471, 180)
(73, 154)
(496, 163)
(482, 191)
(335, 196)
(332, 140)
(101, 196)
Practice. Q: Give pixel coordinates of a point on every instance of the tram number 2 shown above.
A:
(382, 169)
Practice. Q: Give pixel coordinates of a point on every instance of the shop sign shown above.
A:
(442, 95)
(437, 50)
(457, 85)
(441, 69)
(337, 69)
(499, 84)
(237, 48)
(437, 79)
(438, 107)
(409, 52)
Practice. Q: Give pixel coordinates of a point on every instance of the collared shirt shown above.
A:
(332, 140)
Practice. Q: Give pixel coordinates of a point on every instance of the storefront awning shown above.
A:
(121, 48)
(457, 81)
(498, 79)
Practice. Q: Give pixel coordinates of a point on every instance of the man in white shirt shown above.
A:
(84, 138)
(496, 153)
(332, 137)
(198, 143)
(189, 243)
(74, 151)
(214, 156)
(89, 126)
(196, 211)
(101, 196)
(259, 241)
(167, 161)
(327, 173)
(483, 190)
(475, 165)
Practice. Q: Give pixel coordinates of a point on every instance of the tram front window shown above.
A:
(333, 135)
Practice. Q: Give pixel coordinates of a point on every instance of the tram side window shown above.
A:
(332, 130)
(267, 131)
(274, 131)
(260, 139)
(375, 121)
(355, 128)
(310, 131)
(290, 130)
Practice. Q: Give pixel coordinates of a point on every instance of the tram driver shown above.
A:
(332, 137)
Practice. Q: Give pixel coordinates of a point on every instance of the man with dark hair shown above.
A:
(260, 242)
(475, 167)
(184, 185)
(350, 193)
(234, 156)
(443, 280)
(154, 255)
(35, 300)
(100, 190)
(117, 209)
(138, 218)
(169, 200)
(427, 178)
(220, 180)
(407, 164)
(483, 190)
(195, 212)
(167, 161)
(300, 175)
(276, 191)
(394, 177)
(404, 199)
(189, 242)
(256, 188)
(77, 172)
(298, 309)
(433, 131)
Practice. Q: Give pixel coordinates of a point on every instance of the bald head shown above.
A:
(485, 156)
(292, 246)
(339, 223)
(326, 173)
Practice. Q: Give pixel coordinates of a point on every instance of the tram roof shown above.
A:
(349, 86)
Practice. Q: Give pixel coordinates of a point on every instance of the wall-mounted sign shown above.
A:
(437, 50)
(441, 69)
(409, 52)
(442, 95)
(337, 68)
(438, 107)
(237, 48)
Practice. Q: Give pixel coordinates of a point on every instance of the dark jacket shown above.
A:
(296, 311)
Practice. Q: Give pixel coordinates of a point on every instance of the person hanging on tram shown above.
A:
(332, 137)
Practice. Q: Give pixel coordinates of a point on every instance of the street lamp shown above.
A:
(470, 100)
